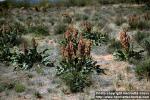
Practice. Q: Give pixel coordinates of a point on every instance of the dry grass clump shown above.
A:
(139, 22)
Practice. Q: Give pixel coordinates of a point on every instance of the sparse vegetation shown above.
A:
(79, 37)
(60, 28)
(19, 87)
(114, 45)
(143, 69)
(38, 30)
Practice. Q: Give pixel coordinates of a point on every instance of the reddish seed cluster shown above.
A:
(87, 27)
(76, 46)
(71, 33)
(125, 39)
(133, 19)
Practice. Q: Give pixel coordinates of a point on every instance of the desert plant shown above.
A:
(126, 52)
(137, 22)
(66, 18)
(79, 17)
(146, 45)
(120, 55)
(76, 65)
(19, 87)
(119, 20)
(143, 69)
(125, 41)
(60, 28)
(28, 57)
(143, 40)
(9, 36)
(38, 30)
(95, 37)
(6, 86)
(139, 36)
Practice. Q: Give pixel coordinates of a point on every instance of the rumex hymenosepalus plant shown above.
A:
(76, 64)
(26, 58)
(126, 52)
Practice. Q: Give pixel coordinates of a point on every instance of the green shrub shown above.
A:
(60, 28)
(19, 87)
(143, 69)
(146, 44)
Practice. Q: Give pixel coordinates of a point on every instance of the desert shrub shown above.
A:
(66, 18)
(76, 64)
(19, 87)
(139, 36)
(137, 22)
(7, 86)
(95, 37)
(9, 36)
(60, 28)
(2, 87)
(143, 40)
(119, 20)
(79, 17)
(114, 45)
(146, 45)
(39, 30)
(143, 69)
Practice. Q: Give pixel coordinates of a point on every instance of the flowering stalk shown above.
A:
(125, 39)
